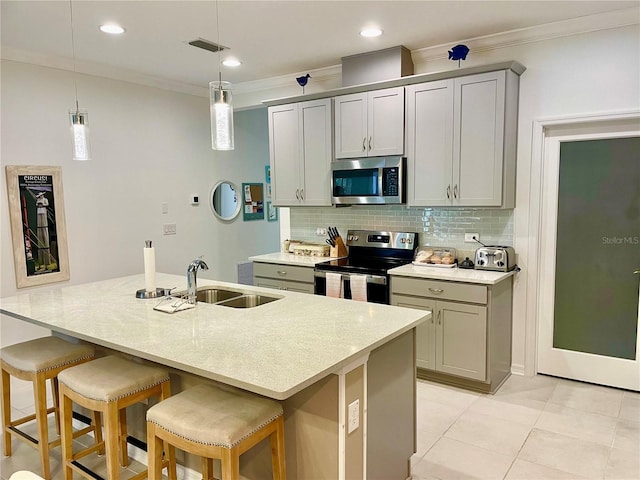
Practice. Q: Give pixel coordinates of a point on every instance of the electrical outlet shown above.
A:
(169, 229)
(321, 232)
(354, 416)
(165, 207)
(468, 237)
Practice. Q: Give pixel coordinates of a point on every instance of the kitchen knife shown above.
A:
(330, 242)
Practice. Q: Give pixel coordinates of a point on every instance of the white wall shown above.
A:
(149, 146)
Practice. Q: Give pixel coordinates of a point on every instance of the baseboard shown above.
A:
(517, 369)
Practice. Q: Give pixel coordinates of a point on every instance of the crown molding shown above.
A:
(538, 33)
(101, 70)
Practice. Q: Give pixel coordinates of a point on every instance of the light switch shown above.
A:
(165, 207)
(353, 416)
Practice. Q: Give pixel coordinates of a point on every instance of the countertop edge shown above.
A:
(481, 277)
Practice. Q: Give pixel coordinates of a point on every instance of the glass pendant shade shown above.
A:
(221, 115)
(80, 134)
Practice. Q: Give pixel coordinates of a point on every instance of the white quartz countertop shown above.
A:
(453, 274)
(290, 259)
(276, 349)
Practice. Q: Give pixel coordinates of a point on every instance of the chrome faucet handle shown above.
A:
(197, 263)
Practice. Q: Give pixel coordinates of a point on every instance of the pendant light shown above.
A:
(79, 118)
(220, 105)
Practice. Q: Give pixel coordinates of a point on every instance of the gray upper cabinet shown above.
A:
(370, 124)
(461, 141)
(300, 153)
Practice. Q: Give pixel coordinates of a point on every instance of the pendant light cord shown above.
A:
(73, 52)
(219, 47)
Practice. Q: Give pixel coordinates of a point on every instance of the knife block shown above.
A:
(339, 250)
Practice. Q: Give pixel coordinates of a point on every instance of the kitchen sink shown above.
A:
(248, 301)
(229, 298)
(215, 295)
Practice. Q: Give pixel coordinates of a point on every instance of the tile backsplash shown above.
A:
(443, 227)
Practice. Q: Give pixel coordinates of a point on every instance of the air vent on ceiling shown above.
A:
(207, 45)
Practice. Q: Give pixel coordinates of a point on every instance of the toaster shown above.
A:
(495, 258)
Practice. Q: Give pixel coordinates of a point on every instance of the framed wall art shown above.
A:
(253, 195)
(38, 227)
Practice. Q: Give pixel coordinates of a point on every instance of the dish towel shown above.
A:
(358, 287)
(334, 285)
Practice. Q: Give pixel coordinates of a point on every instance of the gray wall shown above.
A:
(150, 146)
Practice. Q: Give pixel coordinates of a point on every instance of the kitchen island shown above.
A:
(317, 355)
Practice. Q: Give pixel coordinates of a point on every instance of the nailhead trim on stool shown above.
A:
(37, 361)
(108, 385)
(216, 424)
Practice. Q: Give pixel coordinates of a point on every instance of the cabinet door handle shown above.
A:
(302, 194)
(431, 312)
(448, 191)
(364, 144)
(281, 272)
(436, 290)
(297, 194)
(455, 191)
(440, 317)
(370, 139)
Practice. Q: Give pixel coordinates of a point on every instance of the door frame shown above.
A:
(542, 128)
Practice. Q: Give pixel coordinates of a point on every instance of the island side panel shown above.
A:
(311, 431)
(391, 409)
(355, 441)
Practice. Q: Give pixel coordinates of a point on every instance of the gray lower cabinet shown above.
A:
(467, 341)
(283, 277)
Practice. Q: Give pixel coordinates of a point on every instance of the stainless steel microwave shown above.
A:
(368, 181)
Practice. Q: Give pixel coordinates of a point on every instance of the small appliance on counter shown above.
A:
(496, 258)
(443, 257)
(466, 263)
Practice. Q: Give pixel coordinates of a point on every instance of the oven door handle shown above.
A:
(377, 279)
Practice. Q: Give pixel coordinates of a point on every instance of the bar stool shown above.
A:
(37, 361)
(215, 424)
(107, 385)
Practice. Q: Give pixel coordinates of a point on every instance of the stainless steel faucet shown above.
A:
(192, 270)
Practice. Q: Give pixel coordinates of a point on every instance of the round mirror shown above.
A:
(224, 201)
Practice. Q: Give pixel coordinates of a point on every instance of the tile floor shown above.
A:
(533, 428)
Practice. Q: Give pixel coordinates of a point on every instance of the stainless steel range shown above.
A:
(372, 253)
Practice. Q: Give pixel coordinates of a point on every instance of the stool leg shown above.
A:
(6, 411)
(170, 455)
(55, 391)
(276, 441)
(207, 468)
(230, 464)
(122, 438)
(66, 414)
(111, 429)
(97, 430)
(40, 399)
(154, 453)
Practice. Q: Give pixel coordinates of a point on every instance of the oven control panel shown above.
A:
(382, 239)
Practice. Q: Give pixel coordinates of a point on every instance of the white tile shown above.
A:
(450, 459)
(426, 440)
(591, 427)
(627, 436)
(623, 464)
(587, 397)
(630, 408)
(522, 470)
(501, 436)
(445, 394)
(565, 453)
(503, 408)
(436, 417)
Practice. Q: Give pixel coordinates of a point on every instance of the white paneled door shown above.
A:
(589, 299)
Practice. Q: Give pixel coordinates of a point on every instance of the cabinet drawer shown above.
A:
(283, 285)
(461, 292)
(283, 272)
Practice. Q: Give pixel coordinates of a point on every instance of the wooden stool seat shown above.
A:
(37, 361)
(216, 424)
(107, 385)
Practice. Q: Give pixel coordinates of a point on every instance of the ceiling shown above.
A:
(271, 38)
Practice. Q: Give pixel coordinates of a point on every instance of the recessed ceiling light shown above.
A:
(111, 28)
(371, 32)
(231, 62)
